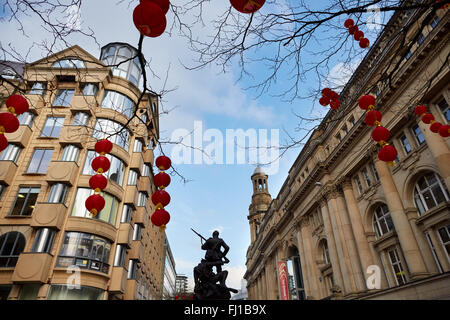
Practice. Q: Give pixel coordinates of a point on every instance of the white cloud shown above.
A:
(235, 276)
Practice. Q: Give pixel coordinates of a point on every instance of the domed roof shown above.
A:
(259, 170)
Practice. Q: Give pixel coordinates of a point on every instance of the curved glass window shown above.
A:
(430, 191)
(85, 251)
(113, 131)
(90, 89)
(119, 102)
(382, 221)
(69, 63)
(70, 153)
(11, 153)
(11, 245)
(26, 118)
(115, 172)
(124, 62)
(64, 292)
(109, 212)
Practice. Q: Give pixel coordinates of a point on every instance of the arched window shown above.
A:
(382, 221)
(429, 191)
(69, 63)
(11, 245)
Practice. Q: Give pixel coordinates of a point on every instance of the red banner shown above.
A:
(283, 276)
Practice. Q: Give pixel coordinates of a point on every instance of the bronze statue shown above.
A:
(210, 285)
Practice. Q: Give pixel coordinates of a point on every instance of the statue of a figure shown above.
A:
(210, 285)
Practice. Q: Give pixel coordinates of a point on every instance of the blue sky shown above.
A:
(218, 195)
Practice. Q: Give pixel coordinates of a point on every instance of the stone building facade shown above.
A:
(348, 225)
(50, 246)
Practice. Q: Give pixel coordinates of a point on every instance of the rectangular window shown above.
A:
(443, 106)
(421, 39)
(29, 292)
(367, 177)
(11, 153)
(80, 119)
(63, 98)
(375, 172)
(444, 235)
(132, 177)
(137, 146)
(358, 184)
(433, 250)
(38, 88)
(132, 269)
(52, 127)
(408, 55)
(26, 119)
(58, 193)
(43, 241)
(25, 201)
(397, 268)
(70, 153)
(119, 257)
(435, 22)
(39, 161)
(405, 144)
(418, 134)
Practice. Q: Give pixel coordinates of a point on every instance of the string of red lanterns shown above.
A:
(436, 127)
(329, 97)
(160, 197)
(9, 123)
(247, 6)
(149, 17)
(358, 35)
(380, 134)
(98, 182)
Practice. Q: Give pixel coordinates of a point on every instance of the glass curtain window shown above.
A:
(70, 153)
(126, 214)
(64, 292)
(137, 145)
(26, 118)
(85, 251)
(119, 257)
(109, 212)
(11, 153)
(38, 88)
(418, 134)
(52, 127)
(132, 177)
(142, 198)
(445, 109)
(429, 192)
(120, 136)
(58, 193)
(43, 241)
(11, 245)
(115, 172)
(90, 89)
(69, 63)
(444, 235)
(63, 97)
(382, 221)
(25, 201)
(80, 119)
(39, 161)
(119, 102)
(397, 268)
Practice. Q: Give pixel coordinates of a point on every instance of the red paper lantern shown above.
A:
(420, 110)
(247, 6)
(435, 126)
(3, 142)
(98, 182)
(324, 101)
(163, 163)
(372, 117)
(427, 118)
(148, 16)
(334, 104)
(100, 164)
(366, 101)
(161, 180)
(364, 43)
(353, 29)
(160, 217)
(95, 203)
(348, 23)
(163, 4)
(387, 153)
(358, 35)
(17, 104)
(444, 131)
(161, 198)
(8, 122)
(103, 146)
(326, 92)
(380, 134)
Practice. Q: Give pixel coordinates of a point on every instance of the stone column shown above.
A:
(440, 151)
(337, 274)
(309, 260)
(357, 225)
(304, 266)
(405, 235)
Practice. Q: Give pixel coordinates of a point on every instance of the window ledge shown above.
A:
(16, 217)
(386, 240)
(431, 217)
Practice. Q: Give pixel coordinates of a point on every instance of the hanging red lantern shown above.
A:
(366, 101)
(380, 134)
(372, 117)
(247, 6)
(103, 146)
(17, 104)
(324, 101)
(358, 35)
(334, 104)
(3, 142)
(387, 153)
(160, 218)
(163, 4)
(161, 180)
(349, 23)
(444, 131)
(427, 118)
(163, 163)
(435, 126)
(160, 199)
(334, 95)
(352, 29)
(98, 182)
(364, 43)
(420, 110)
(8, 122)
(148, 16)
(100, 164)
(94, 204)
(326, 92)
